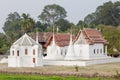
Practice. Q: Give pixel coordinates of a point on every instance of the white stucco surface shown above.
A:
(4, 60)
(80, 62)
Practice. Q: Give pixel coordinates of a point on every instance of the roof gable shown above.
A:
(81, 40)
(91, 36)
(25, 40)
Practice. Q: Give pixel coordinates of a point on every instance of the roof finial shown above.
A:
(37, 36)
(71, 37)
(53, 36)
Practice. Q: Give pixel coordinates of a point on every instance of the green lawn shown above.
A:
(37, 77)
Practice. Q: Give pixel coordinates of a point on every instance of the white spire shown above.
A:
(70, 40)
(53, 36)
(70, 52)
(53, 39)
(37, 37)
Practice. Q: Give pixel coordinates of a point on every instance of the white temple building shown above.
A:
(90, 44)
(25, 52)
(54, 51)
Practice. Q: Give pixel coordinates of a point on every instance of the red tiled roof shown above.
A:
(60, 39)
(92, 36)
(42, 36)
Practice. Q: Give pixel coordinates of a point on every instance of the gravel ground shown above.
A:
(94, 70)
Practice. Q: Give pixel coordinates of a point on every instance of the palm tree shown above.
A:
(31, 24)
(27, 23)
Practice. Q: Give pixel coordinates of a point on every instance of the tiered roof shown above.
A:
(92, 36)
(60, 39)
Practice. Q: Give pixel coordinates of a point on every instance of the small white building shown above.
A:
(90, 44)
(57, 46)
(25, 52)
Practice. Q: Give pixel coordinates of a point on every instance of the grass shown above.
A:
(38, 77)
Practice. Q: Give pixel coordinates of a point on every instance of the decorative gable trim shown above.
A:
(81, 39)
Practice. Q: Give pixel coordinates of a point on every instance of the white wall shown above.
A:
(12, 62)
(81, 62)
(81, 51)
(24, 60)
(97, 51)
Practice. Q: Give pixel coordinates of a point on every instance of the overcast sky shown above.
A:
(76, 9)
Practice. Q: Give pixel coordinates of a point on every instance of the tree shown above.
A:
(12, 27)
(106, 14)
(13, 16)
(62, 25)
(112, 35)
(40, 26)
(90, 18)
(27, 23)
(82, 24)
(52, 13)
(4, 45)
(12, 22)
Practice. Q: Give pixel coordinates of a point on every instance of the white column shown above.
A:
(106, 49)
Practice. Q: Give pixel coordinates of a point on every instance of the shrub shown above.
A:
(117, 75)
(76, 68)
(115, 55)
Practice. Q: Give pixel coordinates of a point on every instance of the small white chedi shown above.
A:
(25, 52)
(70, 51)
(54, 51)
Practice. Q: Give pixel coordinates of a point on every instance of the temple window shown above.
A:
(94, 51)
(33, 51)
(101, 51)
(18, 53)
(61, 52)
(33, 60)
(13, 52)
(26, 51)
(98, 51)
(65, 51)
